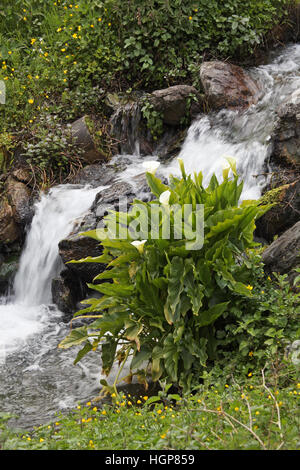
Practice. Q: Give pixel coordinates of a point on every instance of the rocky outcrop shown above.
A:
(228, 86)
(284, 214)
(286, 134)
(176, 103)
(283, 255)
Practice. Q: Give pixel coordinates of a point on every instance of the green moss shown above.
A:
(274, 196)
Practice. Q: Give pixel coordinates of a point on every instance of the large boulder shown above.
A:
(286, 134)
(228, 86)
(283, 255)
(176, 103)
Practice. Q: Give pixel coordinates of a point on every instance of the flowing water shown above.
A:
(36, 378)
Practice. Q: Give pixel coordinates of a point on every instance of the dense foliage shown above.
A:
(49, 49)
(163, 296)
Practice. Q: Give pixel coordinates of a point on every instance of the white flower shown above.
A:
(151, 166)
(164, 198)
(139, 245)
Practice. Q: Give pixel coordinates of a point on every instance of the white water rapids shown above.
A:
(35, 377)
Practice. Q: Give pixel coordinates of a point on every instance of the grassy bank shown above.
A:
(258, 414)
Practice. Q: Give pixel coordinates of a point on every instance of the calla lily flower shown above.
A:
(151, 166)
(139, 245)
(165, 197)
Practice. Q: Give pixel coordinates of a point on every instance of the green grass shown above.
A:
(249, 416)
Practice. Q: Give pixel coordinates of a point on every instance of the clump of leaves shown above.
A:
(52, 150)
(163, 296)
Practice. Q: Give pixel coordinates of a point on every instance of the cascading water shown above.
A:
(30, 325)
(54, 219)
(36, 378)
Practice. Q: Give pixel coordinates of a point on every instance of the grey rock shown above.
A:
(82, 135)
(228, 86)
(286, 134)
(176, 103)
(283, 255)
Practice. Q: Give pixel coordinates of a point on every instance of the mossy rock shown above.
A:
(284, 214)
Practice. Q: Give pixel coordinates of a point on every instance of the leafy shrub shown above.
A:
(161, 300)
(52, 149)
(260, 331)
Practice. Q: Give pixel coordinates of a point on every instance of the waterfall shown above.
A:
(55, 215)
(54, 219)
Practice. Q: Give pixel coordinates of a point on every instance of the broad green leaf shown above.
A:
(210, 316)
(76, 337)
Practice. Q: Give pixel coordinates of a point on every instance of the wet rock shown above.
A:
(8, 269)
(97, 174)
(171, 144)
(77, 247)
(19, 198)
(283, 255)
(66, 291)
(128, 128)
(176, 103)
(80, 131)
(286, 134)
(284, 214)
(228, 86)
